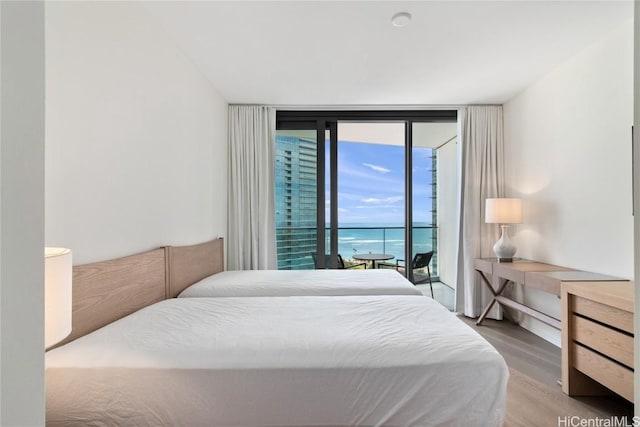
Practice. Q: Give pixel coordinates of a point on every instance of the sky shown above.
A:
(371, 184)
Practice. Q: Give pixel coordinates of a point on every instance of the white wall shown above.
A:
(136, 151)
(568, 154)
(22, 213)
(447, 202)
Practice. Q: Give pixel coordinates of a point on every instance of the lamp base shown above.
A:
(504, 249)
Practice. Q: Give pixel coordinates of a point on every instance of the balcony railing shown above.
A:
(297, 244)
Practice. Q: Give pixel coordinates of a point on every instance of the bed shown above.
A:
(257, 361)
(262, 283)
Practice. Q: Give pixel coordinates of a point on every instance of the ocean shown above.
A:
(389, 239)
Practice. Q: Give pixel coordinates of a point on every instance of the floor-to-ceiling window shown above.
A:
(371, 188)
(350, 183)
(296, 198)
(435, 203)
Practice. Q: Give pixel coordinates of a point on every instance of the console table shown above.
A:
(514, 272)
(546, 277)
(597, 321)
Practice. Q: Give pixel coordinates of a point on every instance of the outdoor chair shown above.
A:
(341, 264)
(420, 261)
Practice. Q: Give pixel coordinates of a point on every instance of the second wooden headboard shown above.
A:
(190, 264)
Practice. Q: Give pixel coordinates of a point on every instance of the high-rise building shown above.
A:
(296, 202)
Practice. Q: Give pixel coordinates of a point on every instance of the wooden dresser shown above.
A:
(597, 338)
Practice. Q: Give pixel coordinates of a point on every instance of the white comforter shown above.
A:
(294, 361)
(265, 283)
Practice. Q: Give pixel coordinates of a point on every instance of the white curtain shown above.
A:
(481, 136)
(251, 243)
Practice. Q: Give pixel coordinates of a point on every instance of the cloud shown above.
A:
(378, 207)
(383, 201)
(361, 180)
(377, 168)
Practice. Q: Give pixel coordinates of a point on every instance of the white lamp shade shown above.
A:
(57, 295)
(503, 211)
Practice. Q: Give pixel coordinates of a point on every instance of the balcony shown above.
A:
(296, 244)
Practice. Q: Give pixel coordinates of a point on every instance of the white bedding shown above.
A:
(294, 361)
(265, 283)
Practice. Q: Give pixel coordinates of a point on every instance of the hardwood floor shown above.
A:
(534, 397)
(441, 293)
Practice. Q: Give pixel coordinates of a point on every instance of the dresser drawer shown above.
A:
(610, 342)
(616, 377)
(606, 314)
(597, 338)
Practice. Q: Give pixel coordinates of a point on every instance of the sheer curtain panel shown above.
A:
(252, 228)
(482, 177)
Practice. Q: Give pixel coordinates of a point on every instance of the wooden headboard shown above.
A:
(190, 264)
(106, 291)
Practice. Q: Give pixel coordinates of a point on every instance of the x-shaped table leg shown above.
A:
(495, 294)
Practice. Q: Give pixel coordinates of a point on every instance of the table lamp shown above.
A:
(503, 212)
(57, 295)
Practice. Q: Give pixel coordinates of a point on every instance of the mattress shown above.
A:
(293, 361)
(261, 283)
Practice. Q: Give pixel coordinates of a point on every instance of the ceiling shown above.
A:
(323, 53)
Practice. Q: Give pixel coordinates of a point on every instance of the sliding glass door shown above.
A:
(424, 195)
(371, 193)
(354, 185)
(296, 181)
(434, 198)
